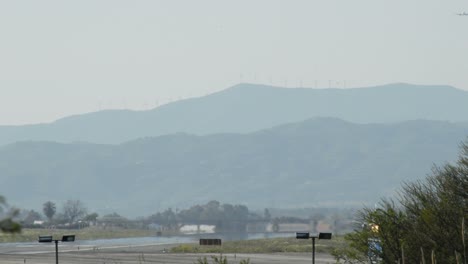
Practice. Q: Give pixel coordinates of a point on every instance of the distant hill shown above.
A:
(245, 108)
(317, 162)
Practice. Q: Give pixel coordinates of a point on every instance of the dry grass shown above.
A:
(31, 235)
(262, 246)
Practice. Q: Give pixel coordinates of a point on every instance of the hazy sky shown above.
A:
(59, 58)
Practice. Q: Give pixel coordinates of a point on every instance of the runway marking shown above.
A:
(86, 248)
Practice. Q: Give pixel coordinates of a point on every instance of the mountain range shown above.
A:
(246, 108)
(315, 162)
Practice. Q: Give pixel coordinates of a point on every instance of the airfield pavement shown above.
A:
(139, 254)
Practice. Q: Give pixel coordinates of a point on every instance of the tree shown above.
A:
(211, 212)
(191, 215)
(7, 225)
(73, 210)
(386, 225)
(266, 215)
(427, 220)
(31, 216)
(49, 210)
(91, 217)
(275, 225)
(115, 220)
(226, 217)
(168, 218)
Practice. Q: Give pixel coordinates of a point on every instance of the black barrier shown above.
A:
(210, 242)
(302, 235)
(325, 236)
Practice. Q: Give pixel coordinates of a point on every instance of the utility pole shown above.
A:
(56, 251)
(48, 239)
(307, 236)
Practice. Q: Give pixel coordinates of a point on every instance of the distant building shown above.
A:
(289, 227)
(195, 229)
(155, 226)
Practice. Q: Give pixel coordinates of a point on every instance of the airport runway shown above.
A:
(140, 254)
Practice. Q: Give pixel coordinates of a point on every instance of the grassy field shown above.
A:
(271, 245)
(30, 235)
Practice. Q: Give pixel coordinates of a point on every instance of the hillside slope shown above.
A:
(317, 162)
(246, 108)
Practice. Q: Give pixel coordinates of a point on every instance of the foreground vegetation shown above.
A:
(271, 245)
(7, 225)
(425, 224)
(219, 260)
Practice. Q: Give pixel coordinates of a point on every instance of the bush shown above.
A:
(219, 260)
(426, 223)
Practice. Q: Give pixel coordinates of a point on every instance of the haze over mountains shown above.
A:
(318, 162)
(259, 145)
(246, 108)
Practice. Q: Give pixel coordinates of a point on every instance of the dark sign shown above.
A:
(210, 242)
(302, 235)
(68, 238)
(45, 239)
(325, 235)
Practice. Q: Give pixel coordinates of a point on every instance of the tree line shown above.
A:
(226, 217)
(70, 213)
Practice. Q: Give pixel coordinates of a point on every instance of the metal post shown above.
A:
(313, 250)
(56, 251)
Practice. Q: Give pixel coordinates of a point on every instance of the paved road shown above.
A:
(140, 254)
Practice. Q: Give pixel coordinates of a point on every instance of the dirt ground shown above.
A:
(140, 254)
